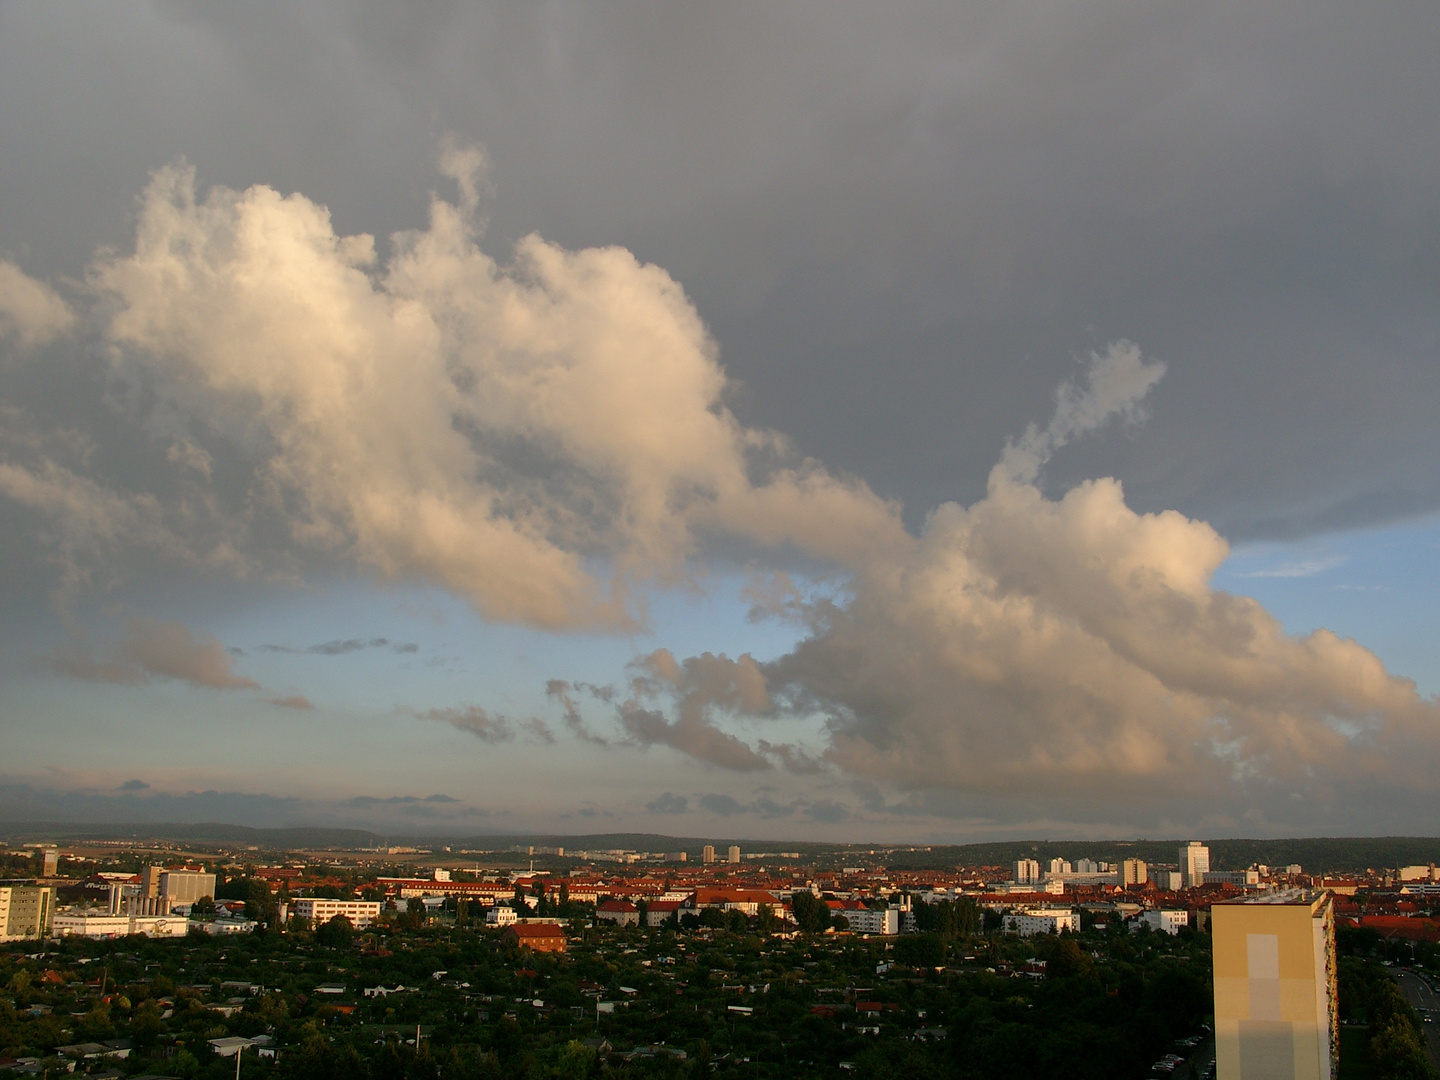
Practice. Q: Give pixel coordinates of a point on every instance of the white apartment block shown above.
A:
(869, 921)
(319, 911)
(1034, 921)
(1166, 920)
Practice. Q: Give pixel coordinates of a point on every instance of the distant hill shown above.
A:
(1337, 854)
(202, 832)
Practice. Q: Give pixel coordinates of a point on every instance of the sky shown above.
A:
(899, 423)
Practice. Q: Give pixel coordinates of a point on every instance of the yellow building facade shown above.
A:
(1275, 1014)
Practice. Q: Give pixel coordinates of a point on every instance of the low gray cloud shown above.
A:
(397, 800)
(827, 811)
(724, 805)
(668, 804)
(134, 785)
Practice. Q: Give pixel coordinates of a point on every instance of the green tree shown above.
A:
(338, 933)
(811, 914)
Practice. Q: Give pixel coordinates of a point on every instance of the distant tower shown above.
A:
(1027, 871)
(1194, 864)
(51, 864)
(1134, 872)
(733, 854)
(707, 854)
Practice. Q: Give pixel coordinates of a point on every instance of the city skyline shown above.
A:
(954, 429)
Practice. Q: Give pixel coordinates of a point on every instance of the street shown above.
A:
(1427, 1003)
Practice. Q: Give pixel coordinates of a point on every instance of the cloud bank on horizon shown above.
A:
(549, 438)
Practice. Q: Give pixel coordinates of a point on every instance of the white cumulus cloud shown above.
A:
(535, 436)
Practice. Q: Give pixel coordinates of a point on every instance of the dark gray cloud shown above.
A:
(936, 207)
(341, 648)
(903, 227)
(134, 785)
(724, 805)
(668, 804)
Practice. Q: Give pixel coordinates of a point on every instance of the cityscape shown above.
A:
(552, 540)
(550, 958)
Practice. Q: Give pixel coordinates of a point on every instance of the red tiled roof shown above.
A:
(536, 930)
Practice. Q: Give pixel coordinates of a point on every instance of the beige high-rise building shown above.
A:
(25, 911)
(50, 862)
(1194, 864)
(1134, 872)
(1275, 1014)
(707, 854)
(733, 855)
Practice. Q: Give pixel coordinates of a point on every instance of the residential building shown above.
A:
(748, 901)
(733, 855)
(501, 915)
(1166, 920)
(865, 920)
(539, 936)
(1027, 871)
(1242, 878)
(619, 912)
(26, 911)
(50, 863)
(319, 911)
(662, 912)
(707, 854)
(1194, 864)
(1032, 921)
(1275, 1004)
(1134, 872)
